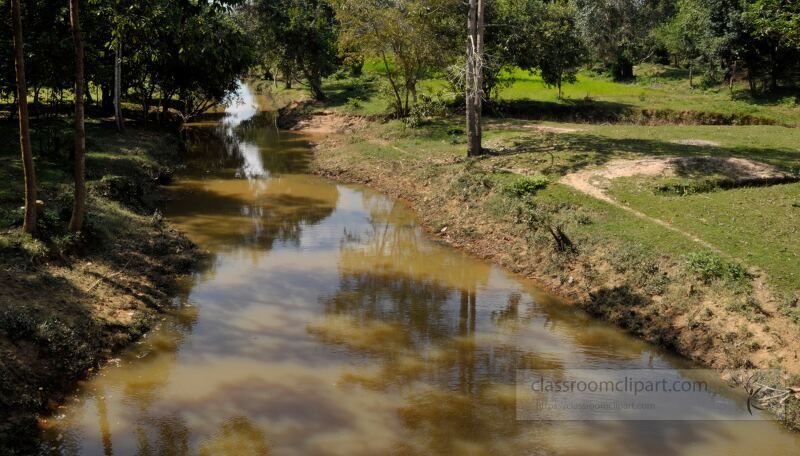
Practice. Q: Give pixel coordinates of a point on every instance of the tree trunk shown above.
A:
(691, 76)
(398, 102)
(624, 70)
(29, 225)
(107, 104)
(559, 87)
(474, 92)
(118, 88)
(79, 203)
(315, 82)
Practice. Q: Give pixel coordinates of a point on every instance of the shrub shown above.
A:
(710, 266)
(524, 186)
(353, 103)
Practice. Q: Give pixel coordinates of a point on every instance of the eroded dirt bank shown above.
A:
(67, 305)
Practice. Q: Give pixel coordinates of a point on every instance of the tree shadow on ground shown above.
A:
(573, 152)
(566, 110)
(349, 91)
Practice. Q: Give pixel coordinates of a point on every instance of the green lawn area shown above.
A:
(657, 87)
(113, 161)
(759, 225)
(592, 144)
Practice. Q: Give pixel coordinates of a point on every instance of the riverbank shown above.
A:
(661, 282)
(67, 304)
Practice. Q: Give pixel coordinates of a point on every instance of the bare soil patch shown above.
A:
(595, 182)
(696, 142)
(301, 116)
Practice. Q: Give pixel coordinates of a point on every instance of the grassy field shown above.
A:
(759, 225)
(657, 88)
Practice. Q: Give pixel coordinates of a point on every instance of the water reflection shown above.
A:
(328, 324)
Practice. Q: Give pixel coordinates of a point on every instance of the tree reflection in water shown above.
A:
(418, 313)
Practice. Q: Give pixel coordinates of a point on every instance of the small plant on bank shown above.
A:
(354, 103)
(710, 266)
(527, 185)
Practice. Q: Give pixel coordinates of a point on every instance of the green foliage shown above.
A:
(469, 186)
(685, 187)
(710, 266)
(425, 109)
(778, 20)
(526, 185)
(298, 37)
(619, 31)
(560, 48)
(637, 263)
(406, 39)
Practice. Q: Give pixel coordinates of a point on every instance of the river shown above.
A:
(327, 322)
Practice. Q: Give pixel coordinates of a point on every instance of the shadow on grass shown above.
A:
(594, 111)
(780, 97)
(567, 110)
(349, 91)
(594, 150)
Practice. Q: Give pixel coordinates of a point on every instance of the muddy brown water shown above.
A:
(327, 322)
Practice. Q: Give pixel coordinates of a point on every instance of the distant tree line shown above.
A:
(720, 40)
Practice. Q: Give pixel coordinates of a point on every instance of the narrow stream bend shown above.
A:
(327, 323)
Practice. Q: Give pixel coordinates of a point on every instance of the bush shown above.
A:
(526, 185)
(426, 108)
(353, 103)
(710, 266)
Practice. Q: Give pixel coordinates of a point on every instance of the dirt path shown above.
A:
(595, 182)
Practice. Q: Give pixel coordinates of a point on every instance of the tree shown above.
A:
(619, 31)
(79, 203)
(560, 49)
(474, 93)
(404, 35)
(779, 19)
(685, 36)
(301, 35)
(29, 224)
(776, 24)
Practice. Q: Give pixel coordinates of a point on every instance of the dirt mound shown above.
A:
(730, 170)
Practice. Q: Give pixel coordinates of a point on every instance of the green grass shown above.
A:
(655, 91)
(759, 225)
(591, 144)
(657, 88)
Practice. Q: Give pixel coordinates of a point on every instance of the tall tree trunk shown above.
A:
(118, 88)
(79, 203)
(559, 86)
(732, 79)
(29, 225)
(474, 95)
